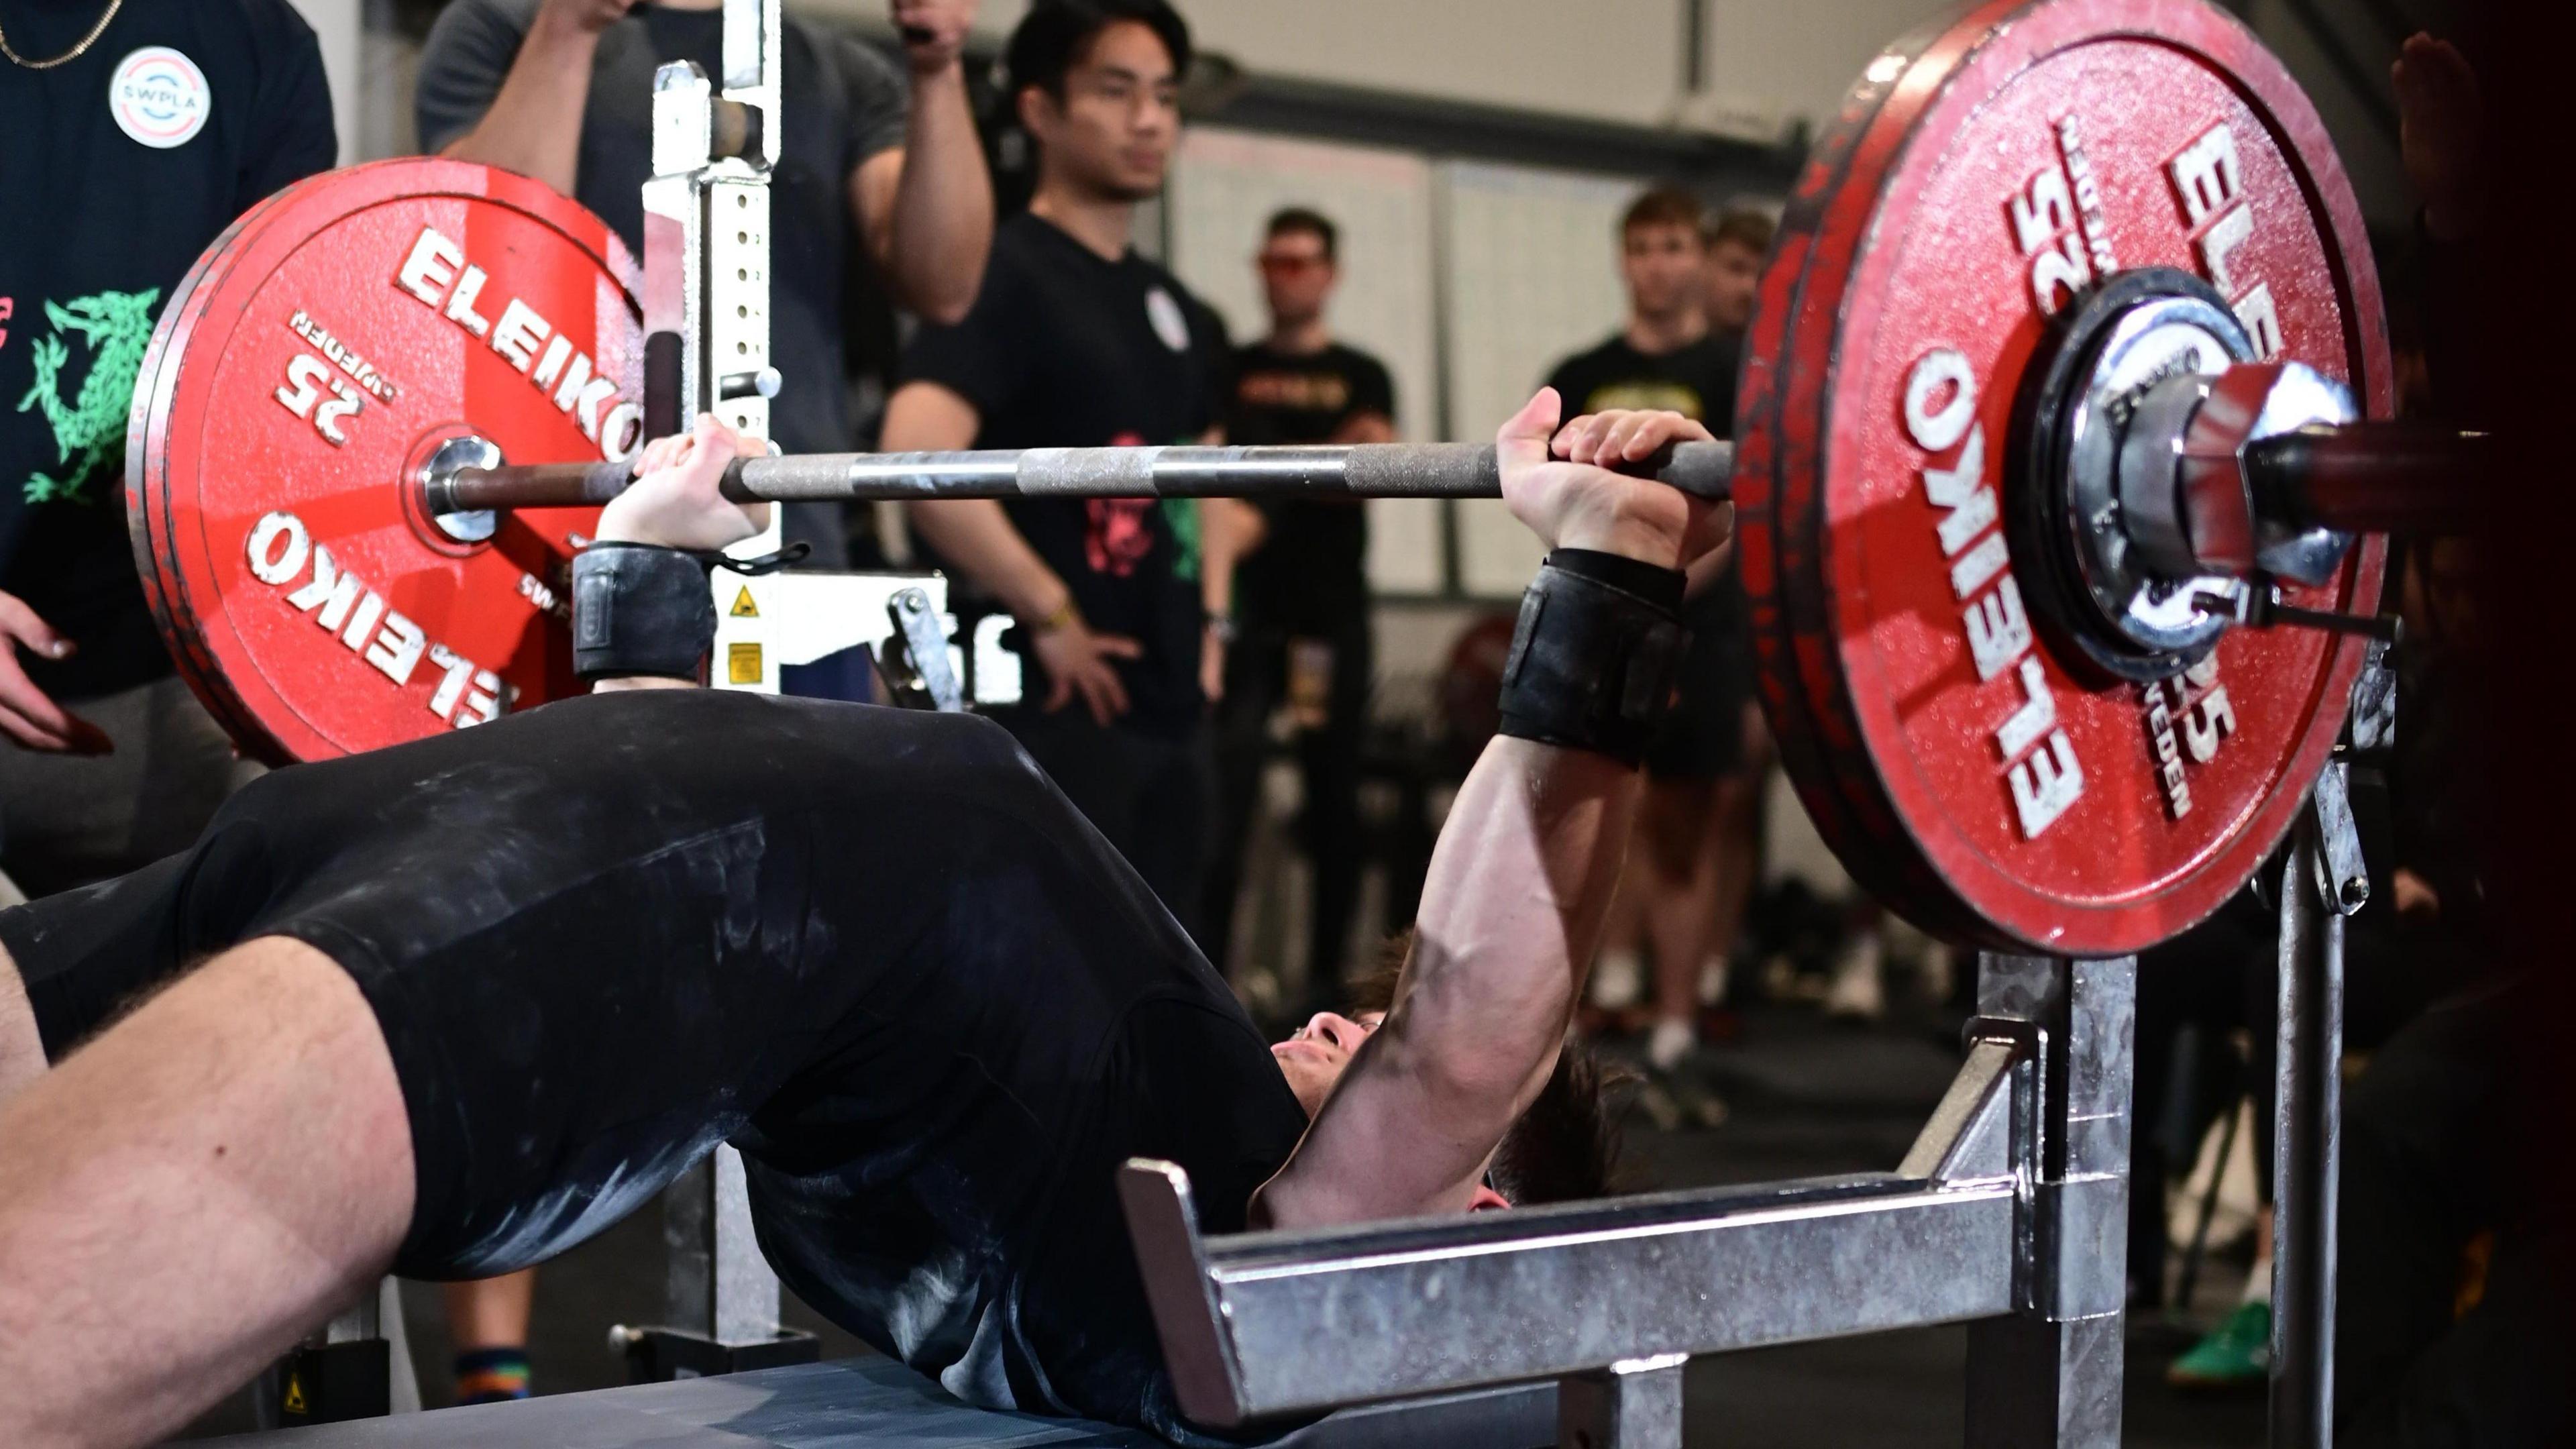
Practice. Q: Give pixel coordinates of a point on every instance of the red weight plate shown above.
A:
(2016, 159)
(1780, 618)
(301, 375)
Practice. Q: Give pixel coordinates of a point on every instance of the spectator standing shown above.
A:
(1739, 242)
(1678, 902)
(1301, 618)
(1076, 340)
(132, 132)
(870, 157)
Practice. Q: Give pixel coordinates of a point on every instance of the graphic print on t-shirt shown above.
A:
(1169, 324)
(1117, 539)
(1304, 392)
(159, 97)
(1116, 536)
(1644, 395)
(113, 329)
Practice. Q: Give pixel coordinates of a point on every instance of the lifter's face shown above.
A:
(1315, 1058)
(1662, 264)
(1111, 134)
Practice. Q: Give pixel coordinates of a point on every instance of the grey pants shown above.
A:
(68, 820)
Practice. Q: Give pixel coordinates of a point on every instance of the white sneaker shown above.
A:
(1618, 979)
(1672, 1041)
(1858, 989)
(1712, 981)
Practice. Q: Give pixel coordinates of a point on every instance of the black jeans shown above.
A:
(1151, 794)
(1328, 821)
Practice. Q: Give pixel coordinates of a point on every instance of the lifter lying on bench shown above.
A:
(448, 1008)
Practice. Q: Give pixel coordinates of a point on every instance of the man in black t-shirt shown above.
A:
(1301, 600)
(1663, 356)
(130, 136)
(1687, 900)
(869, 157)
(933, 1045)
(1075, 341)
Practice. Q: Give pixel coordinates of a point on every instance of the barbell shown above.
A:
(2068, 370)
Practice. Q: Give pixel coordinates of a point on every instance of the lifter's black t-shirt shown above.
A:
(604, 934)
(117, 169)
(1311, 569)
(1065, 348)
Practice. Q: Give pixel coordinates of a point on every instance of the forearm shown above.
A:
(534, 125)
(941, 228)
(1511, 911)
(977, 537)
(1519, 886)
(22, 1050)
(1228, 530)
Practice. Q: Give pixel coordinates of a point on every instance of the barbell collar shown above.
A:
(1368, 470)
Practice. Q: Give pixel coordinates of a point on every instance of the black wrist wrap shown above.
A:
(640, 609)
(1593, 658)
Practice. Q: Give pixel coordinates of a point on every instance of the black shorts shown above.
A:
(1703, 737)
(877, 950)
(600, 952)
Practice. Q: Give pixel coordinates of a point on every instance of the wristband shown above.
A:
(1594, 654)
(638, 608)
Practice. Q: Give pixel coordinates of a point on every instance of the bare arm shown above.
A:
(534, 125)
(972, 533)
(22, 1051)
(1519, 884)
(926, 209)
(976, 535)
(1229, 530)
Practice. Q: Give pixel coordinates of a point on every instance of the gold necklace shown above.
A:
(75, 53)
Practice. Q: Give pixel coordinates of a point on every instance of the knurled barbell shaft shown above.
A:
(1368, 470)
(2374, 477)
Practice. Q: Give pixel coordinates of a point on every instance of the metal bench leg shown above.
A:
(723, 1298)
(2307, 1127)
(2050, 1374)
(1632, 1405)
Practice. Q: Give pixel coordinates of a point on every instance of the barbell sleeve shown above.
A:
(1368, 470)
(2374, 477)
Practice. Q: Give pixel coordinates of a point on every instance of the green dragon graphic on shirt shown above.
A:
(89, 431)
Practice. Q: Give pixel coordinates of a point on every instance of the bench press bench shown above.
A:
(876, 1403)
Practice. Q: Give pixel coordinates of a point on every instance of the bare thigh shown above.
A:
(188, 1194)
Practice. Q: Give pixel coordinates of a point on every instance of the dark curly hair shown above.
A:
(1565, 1148)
